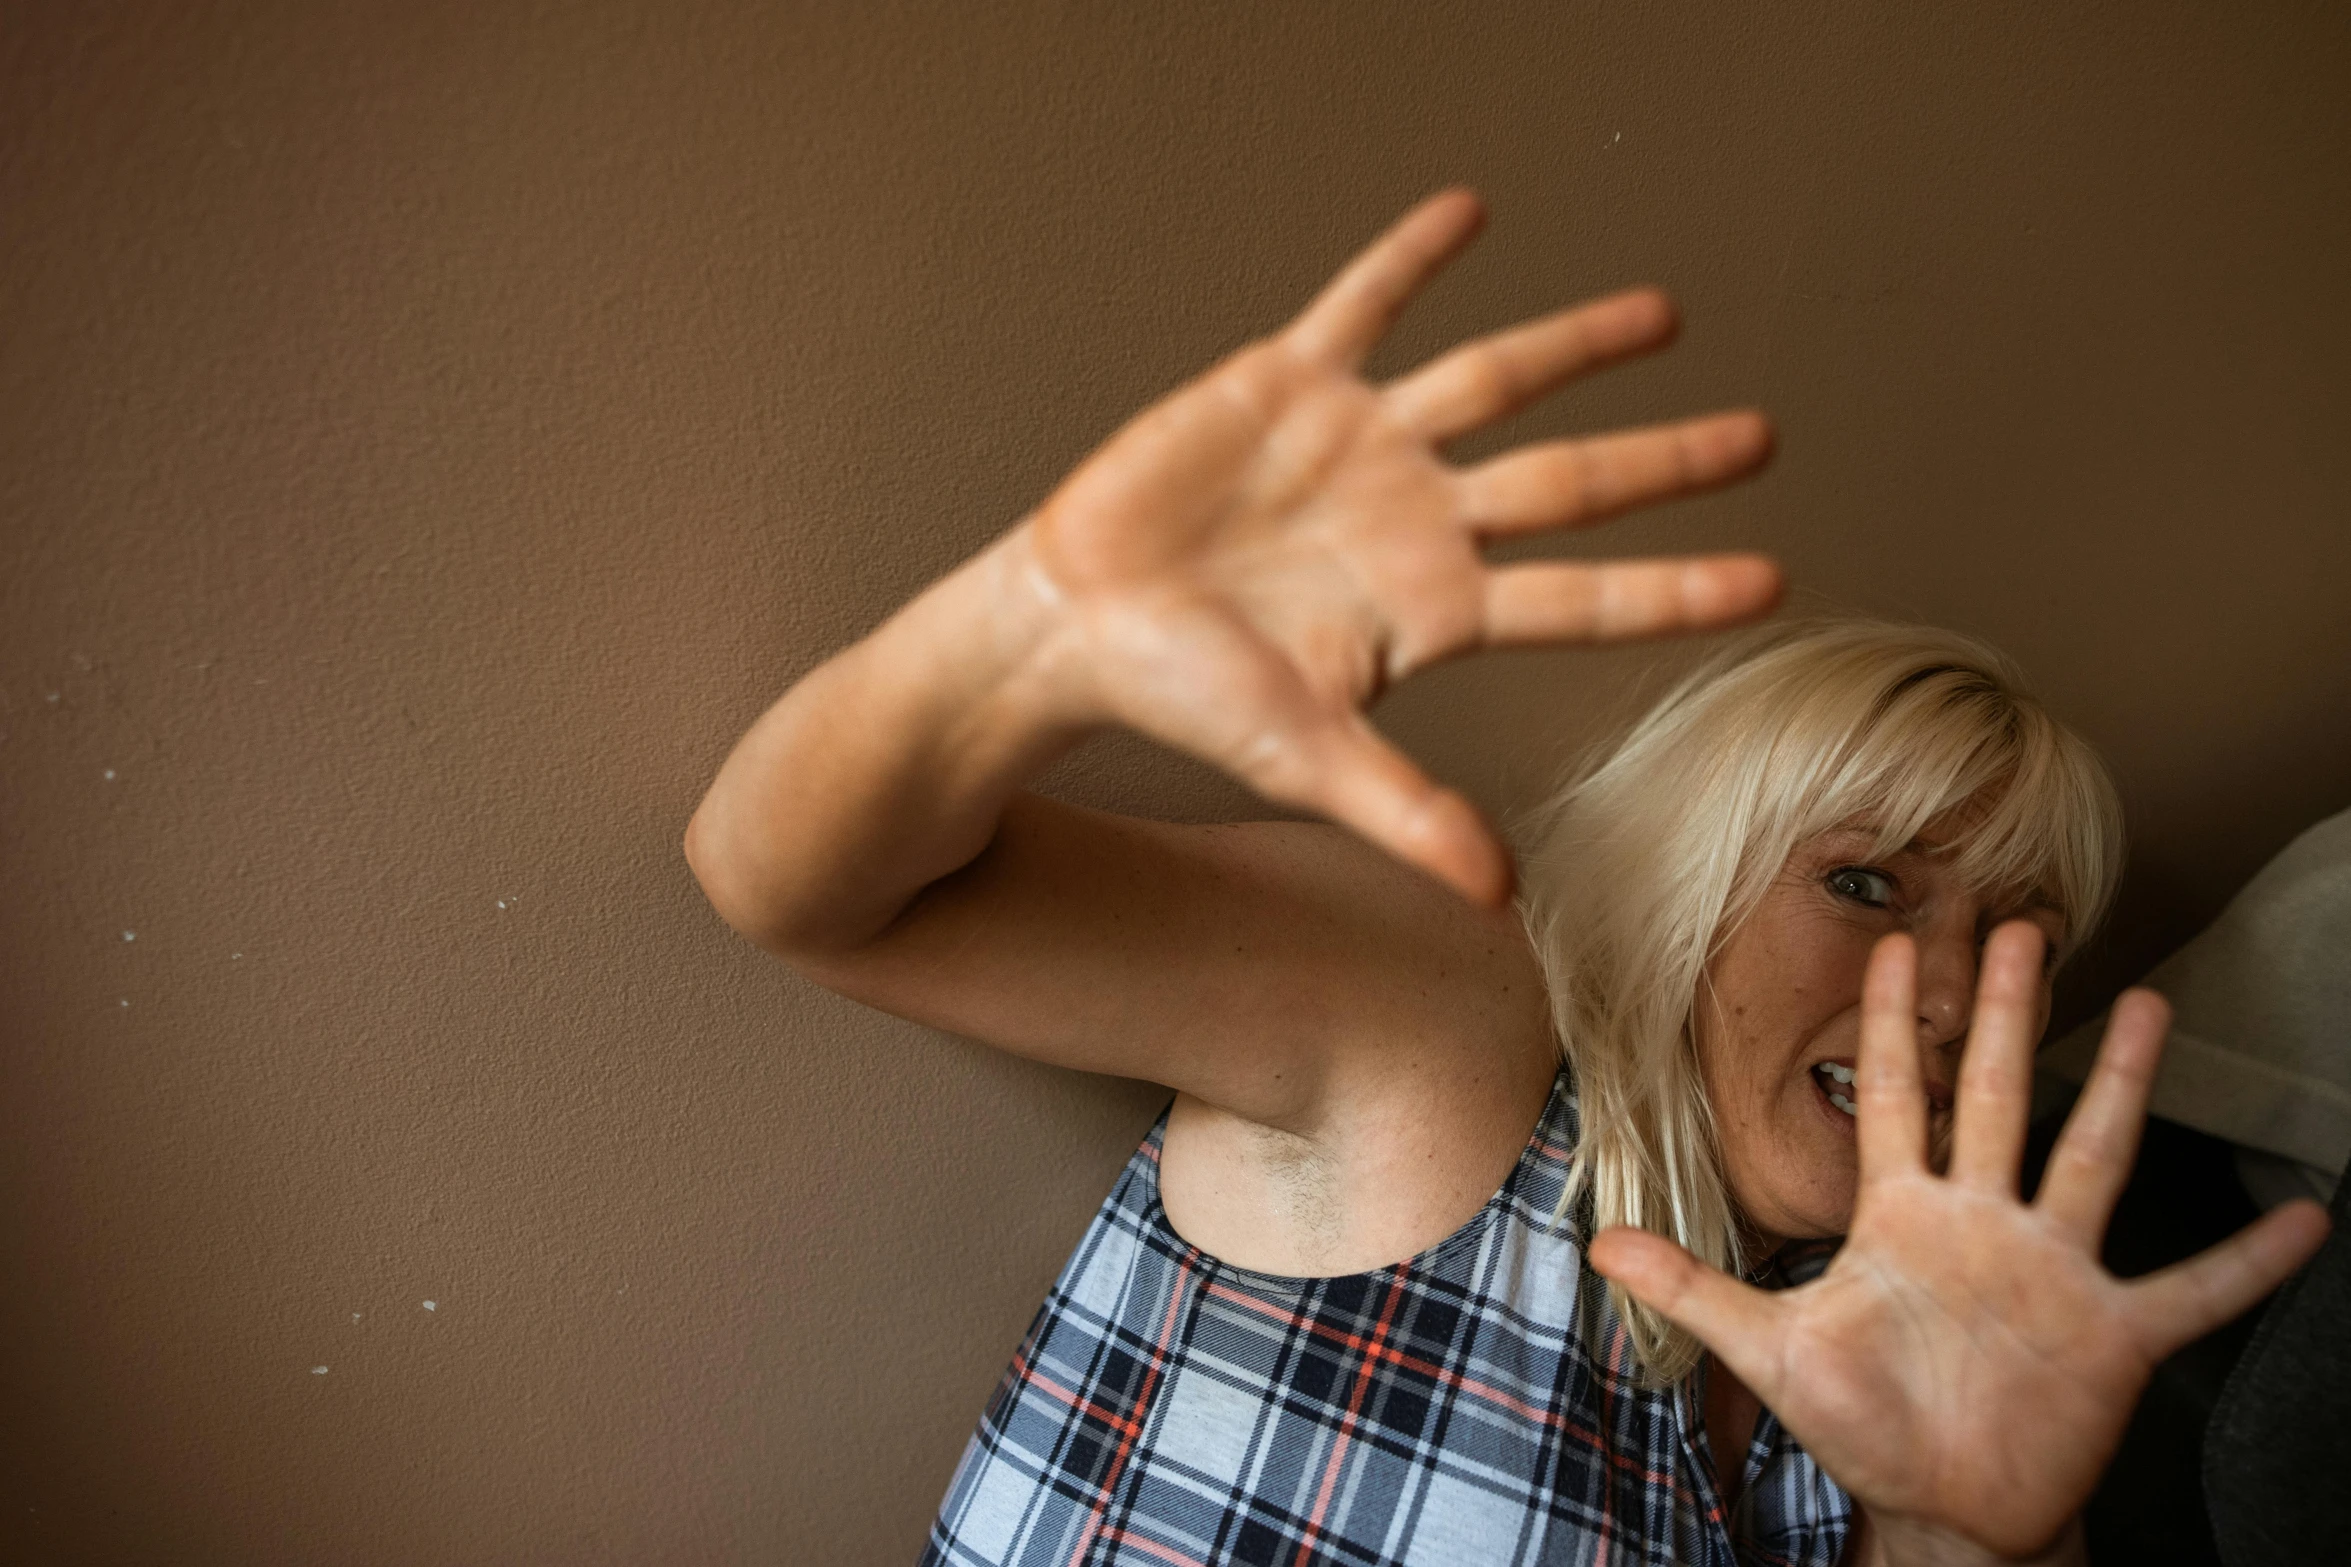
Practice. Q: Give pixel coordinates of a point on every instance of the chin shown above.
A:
(1815, 1197)
(1821, 1222)
(1800, 1205)
(1812, 1197)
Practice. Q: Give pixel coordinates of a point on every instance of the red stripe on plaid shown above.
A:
(1528, 1432)
(1087, 1406)
(1341, 1439)
(1142, 1404)
(1435, 1372)
(1151, 1547)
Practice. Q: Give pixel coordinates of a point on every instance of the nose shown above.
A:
(1946, 984)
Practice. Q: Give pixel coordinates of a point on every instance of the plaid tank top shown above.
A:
(1475, 1404)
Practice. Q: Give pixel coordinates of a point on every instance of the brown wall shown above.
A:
(432, 431)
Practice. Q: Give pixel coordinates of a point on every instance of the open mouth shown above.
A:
(1834, 1082)
(1834, 1079)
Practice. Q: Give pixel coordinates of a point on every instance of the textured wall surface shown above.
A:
(431, 431)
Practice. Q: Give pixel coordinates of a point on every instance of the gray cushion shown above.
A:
(2260, 1049)
(2277, 1455)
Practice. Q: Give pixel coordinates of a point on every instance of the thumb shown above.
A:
(1734, 1320)
(1338, 765)
(1358, 778)
(1205, 683)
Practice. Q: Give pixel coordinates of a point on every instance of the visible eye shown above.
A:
(1860, 884)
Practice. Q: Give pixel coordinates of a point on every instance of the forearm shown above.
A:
(888, 766)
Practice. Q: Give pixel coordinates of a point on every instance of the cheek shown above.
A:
(1774, 1000)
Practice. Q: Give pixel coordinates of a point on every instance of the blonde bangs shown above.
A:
(2028, 806)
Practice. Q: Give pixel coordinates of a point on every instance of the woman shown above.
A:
(1347, 1304)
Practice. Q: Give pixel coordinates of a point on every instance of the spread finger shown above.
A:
(1496, 376)
(1555, 601)
(2190, 1299)
(1996, 1069)
(1355, 310)
(1892, 1104)
(1569, 483)
(2092, 1160)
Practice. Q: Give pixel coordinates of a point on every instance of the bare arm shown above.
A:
(1235, 574)
(871, 830)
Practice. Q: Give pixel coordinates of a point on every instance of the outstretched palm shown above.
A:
(1966, 1366)
(1250, 560)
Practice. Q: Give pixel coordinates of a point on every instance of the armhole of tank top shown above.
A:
(1557, 1120)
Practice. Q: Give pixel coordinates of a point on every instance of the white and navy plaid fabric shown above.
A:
(1167, 1409)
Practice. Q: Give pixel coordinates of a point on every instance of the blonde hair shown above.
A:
(1640, 867)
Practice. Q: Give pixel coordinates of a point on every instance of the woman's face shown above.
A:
(1780, 1026)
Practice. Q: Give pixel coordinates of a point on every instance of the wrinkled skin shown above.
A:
(1966, 1366)
(1784, 995)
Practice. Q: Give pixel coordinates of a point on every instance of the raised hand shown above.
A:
(1248, 562)
(1965, 1367)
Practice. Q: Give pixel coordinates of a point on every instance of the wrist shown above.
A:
(1020, 632)
(1912, 1542)
(992, 650)
(888, 765)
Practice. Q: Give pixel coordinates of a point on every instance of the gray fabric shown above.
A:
(2260, 1055)
(2277, 1456)
(2260, 1049)
(2270, 1179)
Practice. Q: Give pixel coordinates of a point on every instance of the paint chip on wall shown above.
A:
(130, 935)
(430, 1306)
(318, 1371)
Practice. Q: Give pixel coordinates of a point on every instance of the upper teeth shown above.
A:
(1843, 1074)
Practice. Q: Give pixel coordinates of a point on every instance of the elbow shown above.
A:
(719, 872)
(697, 848)
(749, 890)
